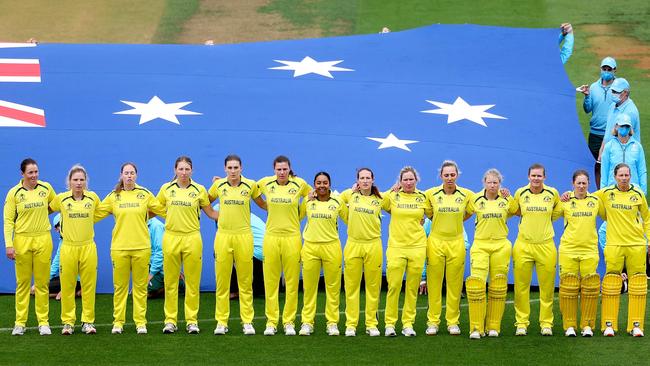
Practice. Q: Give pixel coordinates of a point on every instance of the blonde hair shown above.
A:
(77, 168)
(494, 172)
(407, 169)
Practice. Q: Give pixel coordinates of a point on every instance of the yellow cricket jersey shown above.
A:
(183, 206)
(627, 215)
(407, 210)
(491, 216)
(538, 211)
(77, 216)
(283, 204)
(448, 212)
(580, 233)
(364, 215)
(131, 212)
(234, 204)
(26, 212)
(322, 224)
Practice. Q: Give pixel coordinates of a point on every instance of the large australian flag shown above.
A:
(482, 96)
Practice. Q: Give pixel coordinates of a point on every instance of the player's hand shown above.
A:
(58, 296)
(312, 195)
(11, 253)
(566, 28)
(565, 196)
(355, 187)
(395, 187)
(505, 192)
(423, 288)
(584, 89)
(215, 178)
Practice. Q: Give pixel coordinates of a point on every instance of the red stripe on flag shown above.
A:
(28, 117)
(20, 69)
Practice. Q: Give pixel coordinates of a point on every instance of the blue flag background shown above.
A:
(322, 123)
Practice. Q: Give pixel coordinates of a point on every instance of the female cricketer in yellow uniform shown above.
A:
(363, 253)
(282, 243)
(322, 248)
(446, 248)
(28, 242)
(490, 255)
(183, 200)
(628, 220)
(538, 205)
(130, 245)
(579, 257)
(234, 243)
(78, 255)
(407, 249)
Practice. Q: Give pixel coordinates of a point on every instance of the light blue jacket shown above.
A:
(259, 227)
(156, 231)
(630, 153)
(629, 108)
(597, 103)
(54, 267)
(567, 47)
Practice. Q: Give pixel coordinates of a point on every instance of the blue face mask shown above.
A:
(623, 131)
(616, 98)
(606, 75)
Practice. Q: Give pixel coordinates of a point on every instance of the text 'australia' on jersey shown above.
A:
(183, 206)
(448, 212)
(322, 219)
(364, 215)
(407, 211)
(77, 217)
(628, 218)
(27, 211)
(538, 211)
(491, 216)
(283, 204)
(234, 204)
(580, 232)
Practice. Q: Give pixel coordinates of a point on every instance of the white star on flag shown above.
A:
(392, 141)
(310, 66)
(156, 108)
(460, 110)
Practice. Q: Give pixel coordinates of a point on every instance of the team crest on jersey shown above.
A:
(634, 199)
(224, 192)
(313, 206)
(245, 193)
(332, 207)
(375, 203)
(573, 204)
(502, 205)
(118, 197)
(481, 205)
(547, 199)
(69, 206)
(439, 199)
(21, 197)
(88, 206)
(293, 191)
(526, 199)
(356, 199)
(192, 194)
(591, 204)
(140, 196)
(459, 200)
(172, 194)
(612, 196)
(397, 197)
(42, 194)
(419, 199)
(272, 189)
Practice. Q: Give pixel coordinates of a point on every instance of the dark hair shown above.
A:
(232, 157)
(284, 159)
(181, 159)
(373, 190)
(326, 174)
(537, 166)
(449, 163)
(119, 187)
(25, 163)
(619, 166)
(580, 172)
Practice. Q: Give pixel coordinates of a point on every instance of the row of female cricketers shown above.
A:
(287, 198)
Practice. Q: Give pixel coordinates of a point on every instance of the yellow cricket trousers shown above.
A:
(398, 262)
(445, 260)
(78, 260)
(362, 258)
(33, 256)
(127, 264)
(281, 254)
(237, 248)
(186, 250)
(314, 257)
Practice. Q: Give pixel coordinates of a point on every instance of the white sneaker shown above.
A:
(547, 332)
(350, 332)
(587, 332)
(141, 329)
(67, 329)
(636, 332)
(117, 330)
(222, 329)
(373, 332)
(475, 335)
(270, 331)
(390, 332)
(247, 329)
(431, 330)
(192, 329)
(289, 330)
(609, 332)
(408, 332)
(453, 329)
(169, 328)
(306, 330)
(570, 332)
(493, 333)
(88, 328)
(18, 330)
(520, 332)
(333, 330)
(44, 330)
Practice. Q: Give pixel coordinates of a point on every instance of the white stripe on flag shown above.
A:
(33, 61)
(16, 45)
(20, 107)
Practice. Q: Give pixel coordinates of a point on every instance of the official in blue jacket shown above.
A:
(624, 149)
(623, 104)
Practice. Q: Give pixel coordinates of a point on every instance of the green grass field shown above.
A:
(235, 348)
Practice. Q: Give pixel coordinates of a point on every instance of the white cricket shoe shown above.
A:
(350, 332)
(289, 330)
(333, 330)
(431, 330)
(220, 329)
(88, 328)
(609, 332)
(390, 332)
(547, 332)
(270, 331)
(192, 329)
(18, 330)
(453, 329)
(493, 333)
(636, 332)
(587, 332)
(67, 329)
(141, 329)
(373, 332)
(570, 332)
(475, 335)
(520, 332)
(118, 330)
(169, 328)
(44, 330)
(247, 329)
(408, 332)
(306, 330)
